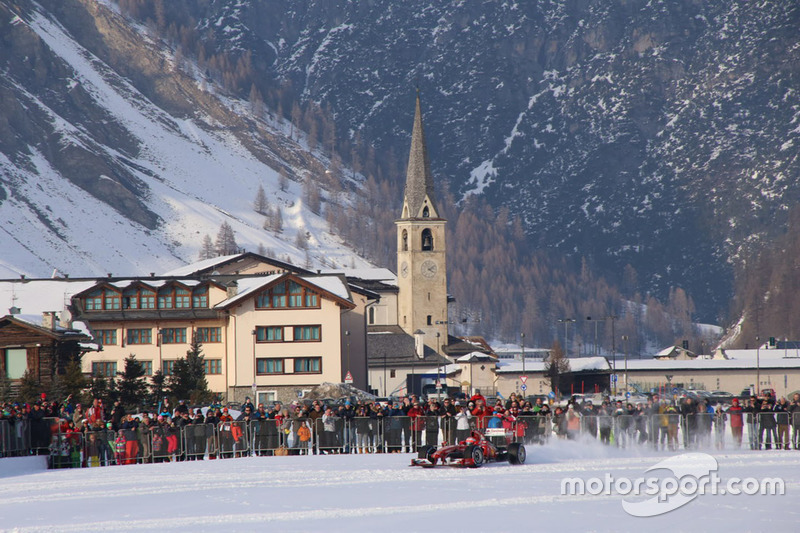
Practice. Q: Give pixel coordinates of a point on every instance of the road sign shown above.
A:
(613, 378)
(438, 384)
(523, 387)
(628, 394)
(348, 378)
(551, 394)
(523, 379)
(675, 391)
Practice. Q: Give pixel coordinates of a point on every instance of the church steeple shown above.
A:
(419, 181)
(421, 250)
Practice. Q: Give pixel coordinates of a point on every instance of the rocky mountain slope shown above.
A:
(658, 134)
(114, 160)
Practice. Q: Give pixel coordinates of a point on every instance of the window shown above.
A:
(308, 365)
(16, 360)
(206, 335)
(139, 336)
(107, 337)
(166, 299)
(287, 294)
(183, 298)
(112, 300)
(168, 367)
(426, 212)
(148, 367)
(306, 333)
(213, 366)
(173, 336)
(392, 373)
(269, 333)
(147, 300)
(427, 240)
(107, 369)
(130, 299)
(94, 302)
(430, 320)
(404, 246)
(200, 297)
(266, 397)
(371, 315)
(269, 366)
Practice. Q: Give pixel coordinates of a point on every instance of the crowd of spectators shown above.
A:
(96, 434)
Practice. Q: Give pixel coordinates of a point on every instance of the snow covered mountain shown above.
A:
(661, 134)
(657, 134)
(114, 161)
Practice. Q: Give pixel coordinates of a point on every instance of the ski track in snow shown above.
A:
(381, 492)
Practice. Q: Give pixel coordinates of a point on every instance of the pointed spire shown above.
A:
(419, 182)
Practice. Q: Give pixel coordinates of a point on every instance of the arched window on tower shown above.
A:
(427, 240)
(426, 213)
(405, 240)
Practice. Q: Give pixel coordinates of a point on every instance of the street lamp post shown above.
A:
(758, 365)
(566, 322)
(347, 337)
(438, 366)
(625, 341)
(522, 336)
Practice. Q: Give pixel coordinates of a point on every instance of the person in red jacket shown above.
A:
(416, 414)
(481, 413)
(737, 421)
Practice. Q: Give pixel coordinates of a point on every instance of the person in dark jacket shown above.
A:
(767, 424)
(782, 420)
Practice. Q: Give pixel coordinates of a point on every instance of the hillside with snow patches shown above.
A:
(124, 186)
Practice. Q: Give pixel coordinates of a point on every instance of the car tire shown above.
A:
(476, 454)
(425, 452)
(516, 453)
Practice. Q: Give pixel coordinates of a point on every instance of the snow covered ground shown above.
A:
(382, 493)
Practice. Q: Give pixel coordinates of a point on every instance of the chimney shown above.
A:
(232, 289)
(49, 320)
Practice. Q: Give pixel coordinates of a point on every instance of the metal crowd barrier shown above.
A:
(662, 431)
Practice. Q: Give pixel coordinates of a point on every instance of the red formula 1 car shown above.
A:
(473, 452)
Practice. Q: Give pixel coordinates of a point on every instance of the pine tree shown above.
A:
(188, 379)
(157, 387)
(132, 384)
(5, 388)
(261, 204)
(207, 251)
(226, 240)
(98, 388)
(30, 389)
(74, 381)
(277, 220)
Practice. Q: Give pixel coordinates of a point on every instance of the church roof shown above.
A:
(419, 181)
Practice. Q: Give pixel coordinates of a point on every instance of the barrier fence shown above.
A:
(332, 435)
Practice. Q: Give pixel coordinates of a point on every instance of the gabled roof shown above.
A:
(35, 323)
(332, 287)
(209, 266)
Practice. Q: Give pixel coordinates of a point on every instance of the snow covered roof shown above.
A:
(33, 297)
(334, 285)
(711, 364)
(191, 268)
(576, 364)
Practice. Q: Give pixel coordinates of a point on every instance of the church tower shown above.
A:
(421, 249)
